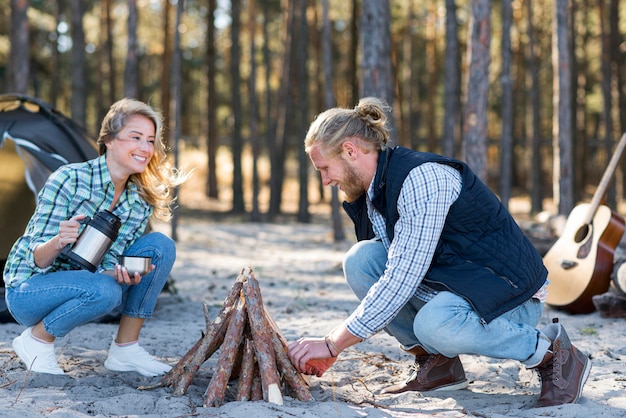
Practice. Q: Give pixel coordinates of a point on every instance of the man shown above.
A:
(440, 264)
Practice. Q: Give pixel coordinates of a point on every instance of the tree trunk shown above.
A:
(534, 127)
(561, 124)
(618, 69)
(212, 133)
(269, 114)
(285, 112)
(56, 59)
(301, 91)
(236, 110)
(452, 86)
(329, 102)
(19, 63)
(377, 78)
(131, 70)
(607, 94)
(475, 119)
(79, 85)
(432, 69)
(255, 215)
(354, 50)
(110, 57)
(506, 148)
(176, 106)
(167, 62)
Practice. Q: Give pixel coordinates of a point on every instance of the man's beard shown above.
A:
(350, 185)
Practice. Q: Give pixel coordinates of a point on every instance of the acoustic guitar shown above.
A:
(581, 261)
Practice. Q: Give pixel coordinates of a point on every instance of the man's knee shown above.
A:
(362, 254)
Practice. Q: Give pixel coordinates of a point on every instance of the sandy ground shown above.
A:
(299, 270)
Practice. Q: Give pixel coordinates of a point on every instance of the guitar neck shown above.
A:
(606, 180)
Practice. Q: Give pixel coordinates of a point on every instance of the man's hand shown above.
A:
(311, 356)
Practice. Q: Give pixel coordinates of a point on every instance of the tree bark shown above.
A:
(79, 85)
(506, 148)
(19, 63)
(377, 78)
(263, 347)
(452, 86)
(534, 126)
(329, 102)
(289, 373)
(255, 214)
(212, 132)
(131, 70)
(236, 109)
(475, 119)
(563, 188)
(247, 371)
(214, 395)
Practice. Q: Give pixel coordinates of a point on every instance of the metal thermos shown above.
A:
(99, 234)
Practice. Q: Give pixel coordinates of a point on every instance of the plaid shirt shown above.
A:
(427, 193)
(80, 188)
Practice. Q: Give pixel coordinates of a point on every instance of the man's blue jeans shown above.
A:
(447, 324)
(67, 299)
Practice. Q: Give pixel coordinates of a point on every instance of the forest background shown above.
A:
(530, 93)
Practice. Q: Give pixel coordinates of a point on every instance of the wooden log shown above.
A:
(256, 391)
(290, 374)
(247, 371)
(209, 343)
(171, 377)
(214, 394)
(263, 347)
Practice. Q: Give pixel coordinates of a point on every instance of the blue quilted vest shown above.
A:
(482, 254)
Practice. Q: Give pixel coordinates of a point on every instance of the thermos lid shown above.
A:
(106, 222)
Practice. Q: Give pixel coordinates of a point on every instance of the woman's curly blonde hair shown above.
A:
(366, 121)
(160, 176)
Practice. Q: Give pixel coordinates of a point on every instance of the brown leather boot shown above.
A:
(563, 371)
(431, 372)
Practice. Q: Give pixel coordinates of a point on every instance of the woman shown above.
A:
(132, 178)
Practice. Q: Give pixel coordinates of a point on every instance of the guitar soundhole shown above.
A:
(581, 234)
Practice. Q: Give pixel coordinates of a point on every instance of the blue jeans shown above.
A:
(447, 324)
(67, 299)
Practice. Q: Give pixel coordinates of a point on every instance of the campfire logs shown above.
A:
(252, 348)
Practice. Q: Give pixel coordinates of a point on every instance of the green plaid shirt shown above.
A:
(80, 188)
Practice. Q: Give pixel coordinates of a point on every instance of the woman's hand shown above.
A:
(68, 231)
(45, 254)
(122, 275)
(312, 356)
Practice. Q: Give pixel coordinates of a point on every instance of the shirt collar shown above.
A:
(102, 175)
(101, 171)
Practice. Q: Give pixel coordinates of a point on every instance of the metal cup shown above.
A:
(134, 264)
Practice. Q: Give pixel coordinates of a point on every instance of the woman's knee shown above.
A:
(107, 297)
(161, 247)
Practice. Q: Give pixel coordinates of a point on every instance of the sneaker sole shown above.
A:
(18, 347)
(116, 366)
(453, 386)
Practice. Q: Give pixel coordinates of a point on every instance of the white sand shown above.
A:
(299, 270)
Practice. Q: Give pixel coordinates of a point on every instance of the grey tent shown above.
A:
(35, 140)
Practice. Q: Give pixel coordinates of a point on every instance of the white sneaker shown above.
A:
(133, 358)
(37, 356)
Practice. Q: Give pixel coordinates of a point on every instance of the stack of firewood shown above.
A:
(253, 352)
